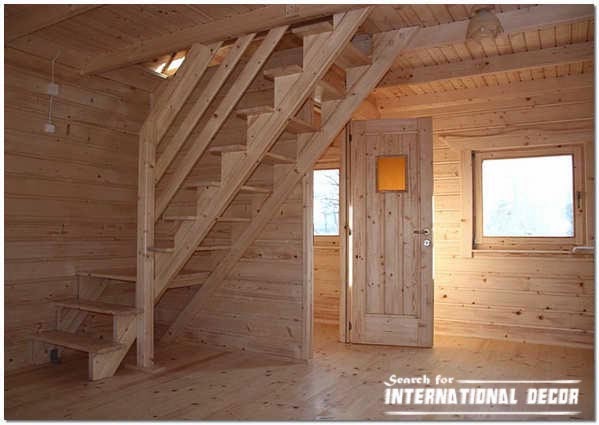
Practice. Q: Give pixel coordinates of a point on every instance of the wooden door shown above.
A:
(391, 285)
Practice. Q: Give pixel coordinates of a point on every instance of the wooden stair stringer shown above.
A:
(387, 47)
(172, 182)
(104, 365)
(261, 136)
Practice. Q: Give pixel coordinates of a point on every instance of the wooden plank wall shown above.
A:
(70, 197)
(528, 298)
(537, 298)
(327, 280)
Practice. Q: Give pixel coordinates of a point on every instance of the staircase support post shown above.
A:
(144, 286)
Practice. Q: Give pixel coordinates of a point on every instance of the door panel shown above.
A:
(391, 268)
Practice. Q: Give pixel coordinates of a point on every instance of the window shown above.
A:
(391, 173)
(527, 198)
(326, 202)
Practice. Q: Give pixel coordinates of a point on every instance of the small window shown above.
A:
(391, 173)
(326, 202)
(527, 199)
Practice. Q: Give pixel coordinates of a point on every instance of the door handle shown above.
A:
(424, 232)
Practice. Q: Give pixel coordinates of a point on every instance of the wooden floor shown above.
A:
(342, 382)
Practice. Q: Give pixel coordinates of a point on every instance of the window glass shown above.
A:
(326, 202)
(391, 173)
(528, 197)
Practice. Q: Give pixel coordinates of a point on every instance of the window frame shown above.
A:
(529, 243)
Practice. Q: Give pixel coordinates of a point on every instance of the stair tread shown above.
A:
(189, 279)
(269, 157)
(163, 250)
(297, 126)
(217, 150)
(233, 219)
(254, 110)
(130, 276)
(96, 306)
(79, 342)
(312, 29)
(281, 71)
(214, 183)
(213, 248)
(352, 57)
(179, 218)
(123, 275)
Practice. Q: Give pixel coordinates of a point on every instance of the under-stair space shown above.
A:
(222, 159)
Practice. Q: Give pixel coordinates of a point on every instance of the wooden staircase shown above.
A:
(299, 92)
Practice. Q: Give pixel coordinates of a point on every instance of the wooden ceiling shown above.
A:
(560, 35)
(108, 28)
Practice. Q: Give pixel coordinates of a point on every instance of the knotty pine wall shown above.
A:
(70, 197)
(530, 298)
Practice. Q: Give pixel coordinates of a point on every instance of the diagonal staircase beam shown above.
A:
(259, 142)
(201, 105)
(387, 48)
(173, 182)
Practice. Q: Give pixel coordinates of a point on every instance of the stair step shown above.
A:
(295, 124)
(97, 307)
(213, 248)
(218, 150)
(79, 342)
(163, 250)
(244, 188)
(255, 189)
(130, 276)
(352, 57)
(299, 126)
(255, 110)
(122, 275)
(281, 71)
(269, 157)
(312, 29)
(179, 218)
(329, 90)
(189, 279)
(233, 220)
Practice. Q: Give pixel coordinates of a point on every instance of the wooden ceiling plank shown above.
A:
(483, 94)
(255, 21)
(514, 21)
(41, 17)
(515, 62)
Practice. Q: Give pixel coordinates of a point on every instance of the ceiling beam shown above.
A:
(572, 53)
(482, 95)
(257, 20)
(41, 16)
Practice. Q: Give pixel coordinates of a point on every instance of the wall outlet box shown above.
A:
(52, 89)
(49, 128)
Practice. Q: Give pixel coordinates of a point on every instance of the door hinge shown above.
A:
(348, 229)
(349, 325)
(350, 137)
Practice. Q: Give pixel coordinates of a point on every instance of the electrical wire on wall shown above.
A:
(52, 91)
